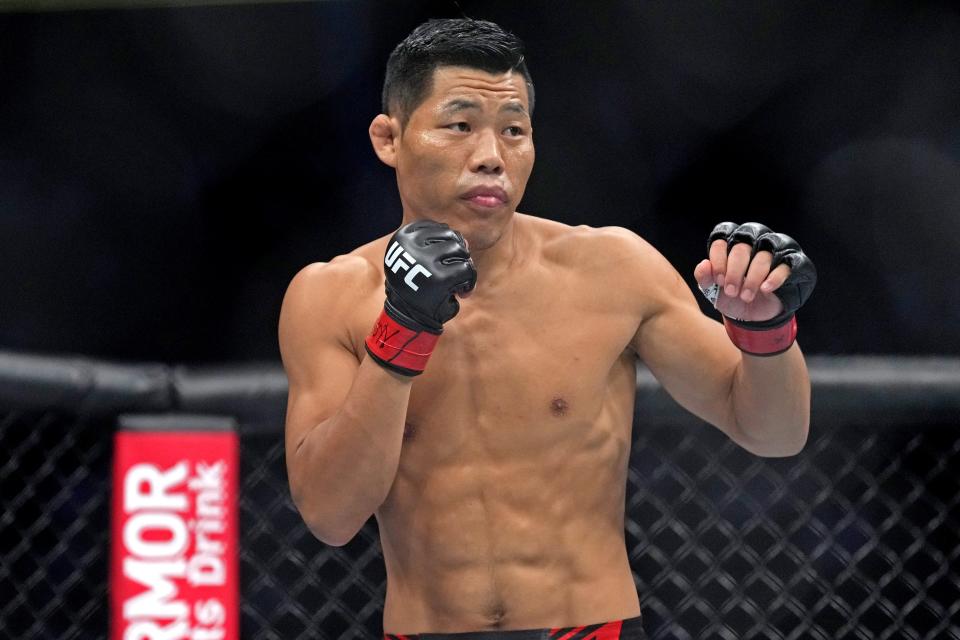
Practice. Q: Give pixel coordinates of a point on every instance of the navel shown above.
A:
(496, 615)
(559, 407)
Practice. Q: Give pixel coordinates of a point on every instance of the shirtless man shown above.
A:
(497, 470)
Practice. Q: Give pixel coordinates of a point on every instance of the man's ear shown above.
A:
(384, 135)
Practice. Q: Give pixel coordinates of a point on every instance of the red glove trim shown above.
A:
(399, 348)
(762, 342)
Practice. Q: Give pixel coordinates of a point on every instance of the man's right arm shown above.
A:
(344, 426)
(344, 420)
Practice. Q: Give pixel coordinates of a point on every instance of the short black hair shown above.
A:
(458, 42)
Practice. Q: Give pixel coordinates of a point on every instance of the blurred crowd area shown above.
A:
(164, 172)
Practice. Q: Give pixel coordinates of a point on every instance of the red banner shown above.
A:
(174, 568)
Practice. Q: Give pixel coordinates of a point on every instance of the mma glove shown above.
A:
(425, 266)
(776, 335)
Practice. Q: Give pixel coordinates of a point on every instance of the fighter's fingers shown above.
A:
(718, 260)
(737, 263)
(757, 272)
(703, 273)
(776, 279)
(706, 281)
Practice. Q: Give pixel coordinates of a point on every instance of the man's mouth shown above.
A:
(487, 197)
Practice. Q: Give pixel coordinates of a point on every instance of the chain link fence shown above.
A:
(858, 537)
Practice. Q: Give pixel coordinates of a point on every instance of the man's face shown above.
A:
(466, 152)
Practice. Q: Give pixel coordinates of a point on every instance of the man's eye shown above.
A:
(459, 126)
(513, 131)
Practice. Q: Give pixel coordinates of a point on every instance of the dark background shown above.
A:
(165, 172)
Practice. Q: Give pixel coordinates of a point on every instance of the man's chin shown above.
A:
(480, 233)
(483, 239)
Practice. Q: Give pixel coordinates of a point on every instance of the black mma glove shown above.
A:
(776, 335)
(426, 264)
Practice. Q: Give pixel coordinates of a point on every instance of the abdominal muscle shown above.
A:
(519, 542)
(507, 508)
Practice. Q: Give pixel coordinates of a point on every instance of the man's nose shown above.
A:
(486, 157)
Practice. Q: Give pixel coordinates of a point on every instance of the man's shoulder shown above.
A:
(342, 277)
(596, 247)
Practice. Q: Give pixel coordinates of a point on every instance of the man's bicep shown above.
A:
(690, 354)
(317, 358)
(313, 400)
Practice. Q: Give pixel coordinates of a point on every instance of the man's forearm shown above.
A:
(771, 403)
(345, 466)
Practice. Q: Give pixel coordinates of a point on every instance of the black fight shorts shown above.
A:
(630, 629)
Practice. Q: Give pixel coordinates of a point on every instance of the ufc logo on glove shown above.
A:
(394, 261)
(407, 330)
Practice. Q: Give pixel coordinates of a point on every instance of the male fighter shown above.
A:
(490, 434)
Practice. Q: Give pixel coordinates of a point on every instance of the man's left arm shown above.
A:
(746, 376)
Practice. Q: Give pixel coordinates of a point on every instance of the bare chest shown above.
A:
(510, 378)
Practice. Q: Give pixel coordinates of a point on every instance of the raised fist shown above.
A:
(426, 265)
(757, 279)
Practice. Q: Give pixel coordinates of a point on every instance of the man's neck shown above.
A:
(492, 263)
(495, 261)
